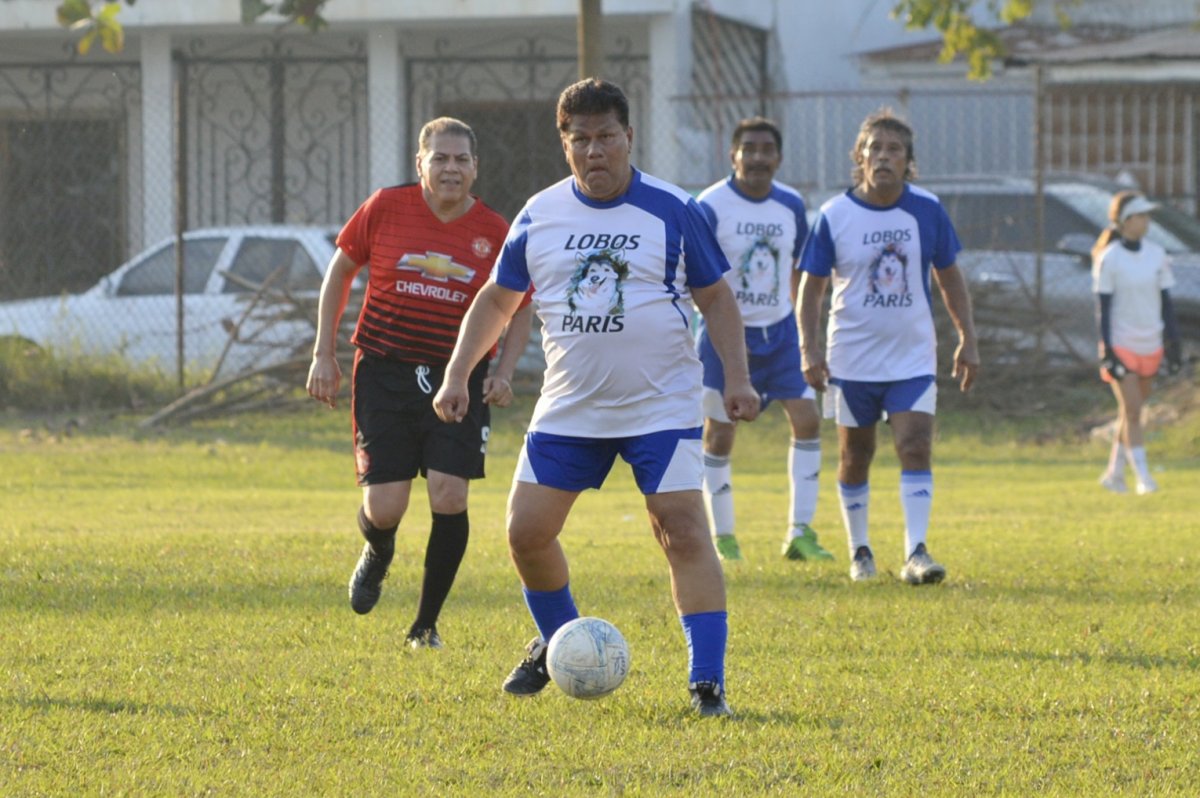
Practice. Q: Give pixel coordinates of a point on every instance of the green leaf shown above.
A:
(252, 10)
(72, 12)
(112, 35)
(85, 43)
(108, 14)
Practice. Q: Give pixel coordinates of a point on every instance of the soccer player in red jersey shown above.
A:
(428, 248)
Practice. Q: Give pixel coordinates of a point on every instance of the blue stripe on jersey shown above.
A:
(516, 274)
(819, 254)
(794, 202)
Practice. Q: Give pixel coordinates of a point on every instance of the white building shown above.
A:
(275, 124)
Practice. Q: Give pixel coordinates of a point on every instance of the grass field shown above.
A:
(173, 621)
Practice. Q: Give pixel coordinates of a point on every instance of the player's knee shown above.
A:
(383, 516)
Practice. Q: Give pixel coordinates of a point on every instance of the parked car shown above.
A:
(132, 311)
(996, 221)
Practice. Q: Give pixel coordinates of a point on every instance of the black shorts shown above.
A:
(397, 434)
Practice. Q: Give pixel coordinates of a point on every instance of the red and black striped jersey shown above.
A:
(422, 272)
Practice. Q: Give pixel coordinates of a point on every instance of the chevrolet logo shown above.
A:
(437, 267)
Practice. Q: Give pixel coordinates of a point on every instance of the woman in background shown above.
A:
(1131, 278)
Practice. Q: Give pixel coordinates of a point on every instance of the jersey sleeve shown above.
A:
(1102, 280)
(795, 204)
(947, 246)
(704, 261)
(818, 256)
(355, 236)
(511, 270)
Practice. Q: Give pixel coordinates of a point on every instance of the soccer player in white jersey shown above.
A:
(878, 243)
(1132, 279)
(761, 225)
(617, 258)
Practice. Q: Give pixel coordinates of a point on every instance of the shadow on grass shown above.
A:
(100, 706)
(162, 598)
(1122, 658)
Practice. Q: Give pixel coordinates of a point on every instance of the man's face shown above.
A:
(755, 161)
(597, 149)
(447, 169)
(885, 160)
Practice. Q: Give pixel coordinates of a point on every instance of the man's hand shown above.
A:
(742, 402)
(497, 391)
(966, 364)
(816, 370)
(451, 401)
(324, 379)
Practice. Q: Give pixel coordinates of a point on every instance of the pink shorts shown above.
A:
(1141, 365)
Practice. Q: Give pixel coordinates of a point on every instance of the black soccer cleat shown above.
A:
(423, 638)
(366, 583)
(531, 675)
(708, 698)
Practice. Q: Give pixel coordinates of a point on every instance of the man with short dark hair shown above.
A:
(761, 226)
(428, 248)
(878, 243)
(618, 258)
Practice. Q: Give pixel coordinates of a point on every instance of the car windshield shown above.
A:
(1173, 230)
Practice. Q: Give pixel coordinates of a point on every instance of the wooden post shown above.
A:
(591, 52)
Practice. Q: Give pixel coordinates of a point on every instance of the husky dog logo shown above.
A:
(596, 284)
(758, 270)
(889, 272)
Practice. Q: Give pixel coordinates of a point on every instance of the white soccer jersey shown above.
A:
(1136, 281)
(762, 239)
(611, 287)
(881, 317)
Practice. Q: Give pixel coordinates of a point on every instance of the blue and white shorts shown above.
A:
(662, 462)
(773, 354)
(854, 403)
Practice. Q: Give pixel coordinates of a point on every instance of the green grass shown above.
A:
(173, 621)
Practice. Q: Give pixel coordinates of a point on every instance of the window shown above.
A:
(1008, 221)
(258, 258)
(156, 274)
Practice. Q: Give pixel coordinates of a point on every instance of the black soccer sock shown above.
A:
(383, 541)
(447, 545)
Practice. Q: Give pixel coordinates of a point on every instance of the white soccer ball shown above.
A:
(587, 658)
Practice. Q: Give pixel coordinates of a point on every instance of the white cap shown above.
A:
(1138, 204)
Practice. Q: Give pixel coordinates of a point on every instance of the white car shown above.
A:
(996, 221)
(229, 318)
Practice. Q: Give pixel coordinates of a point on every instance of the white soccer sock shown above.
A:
(1137, 459)
(718, 494)
(1116, 457)
(916, 498)
(855, 500)
(804, 468)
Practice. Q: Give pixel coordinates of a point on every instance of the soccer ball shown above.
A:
(587, 658)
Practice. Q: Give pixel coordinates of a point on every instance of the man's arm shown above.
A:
(812, 352)
(953, 285)
(497, 388)
(723, 321)
(324, 374)
(493, 306)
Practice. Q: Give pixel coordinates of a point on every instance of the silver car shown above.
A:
(237, 313)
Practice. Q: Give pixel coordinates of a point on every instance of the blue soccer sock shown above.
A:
(551, 609)
(706, 634)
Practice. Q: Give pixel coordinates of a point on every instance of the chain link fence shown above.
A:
(275, 134)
